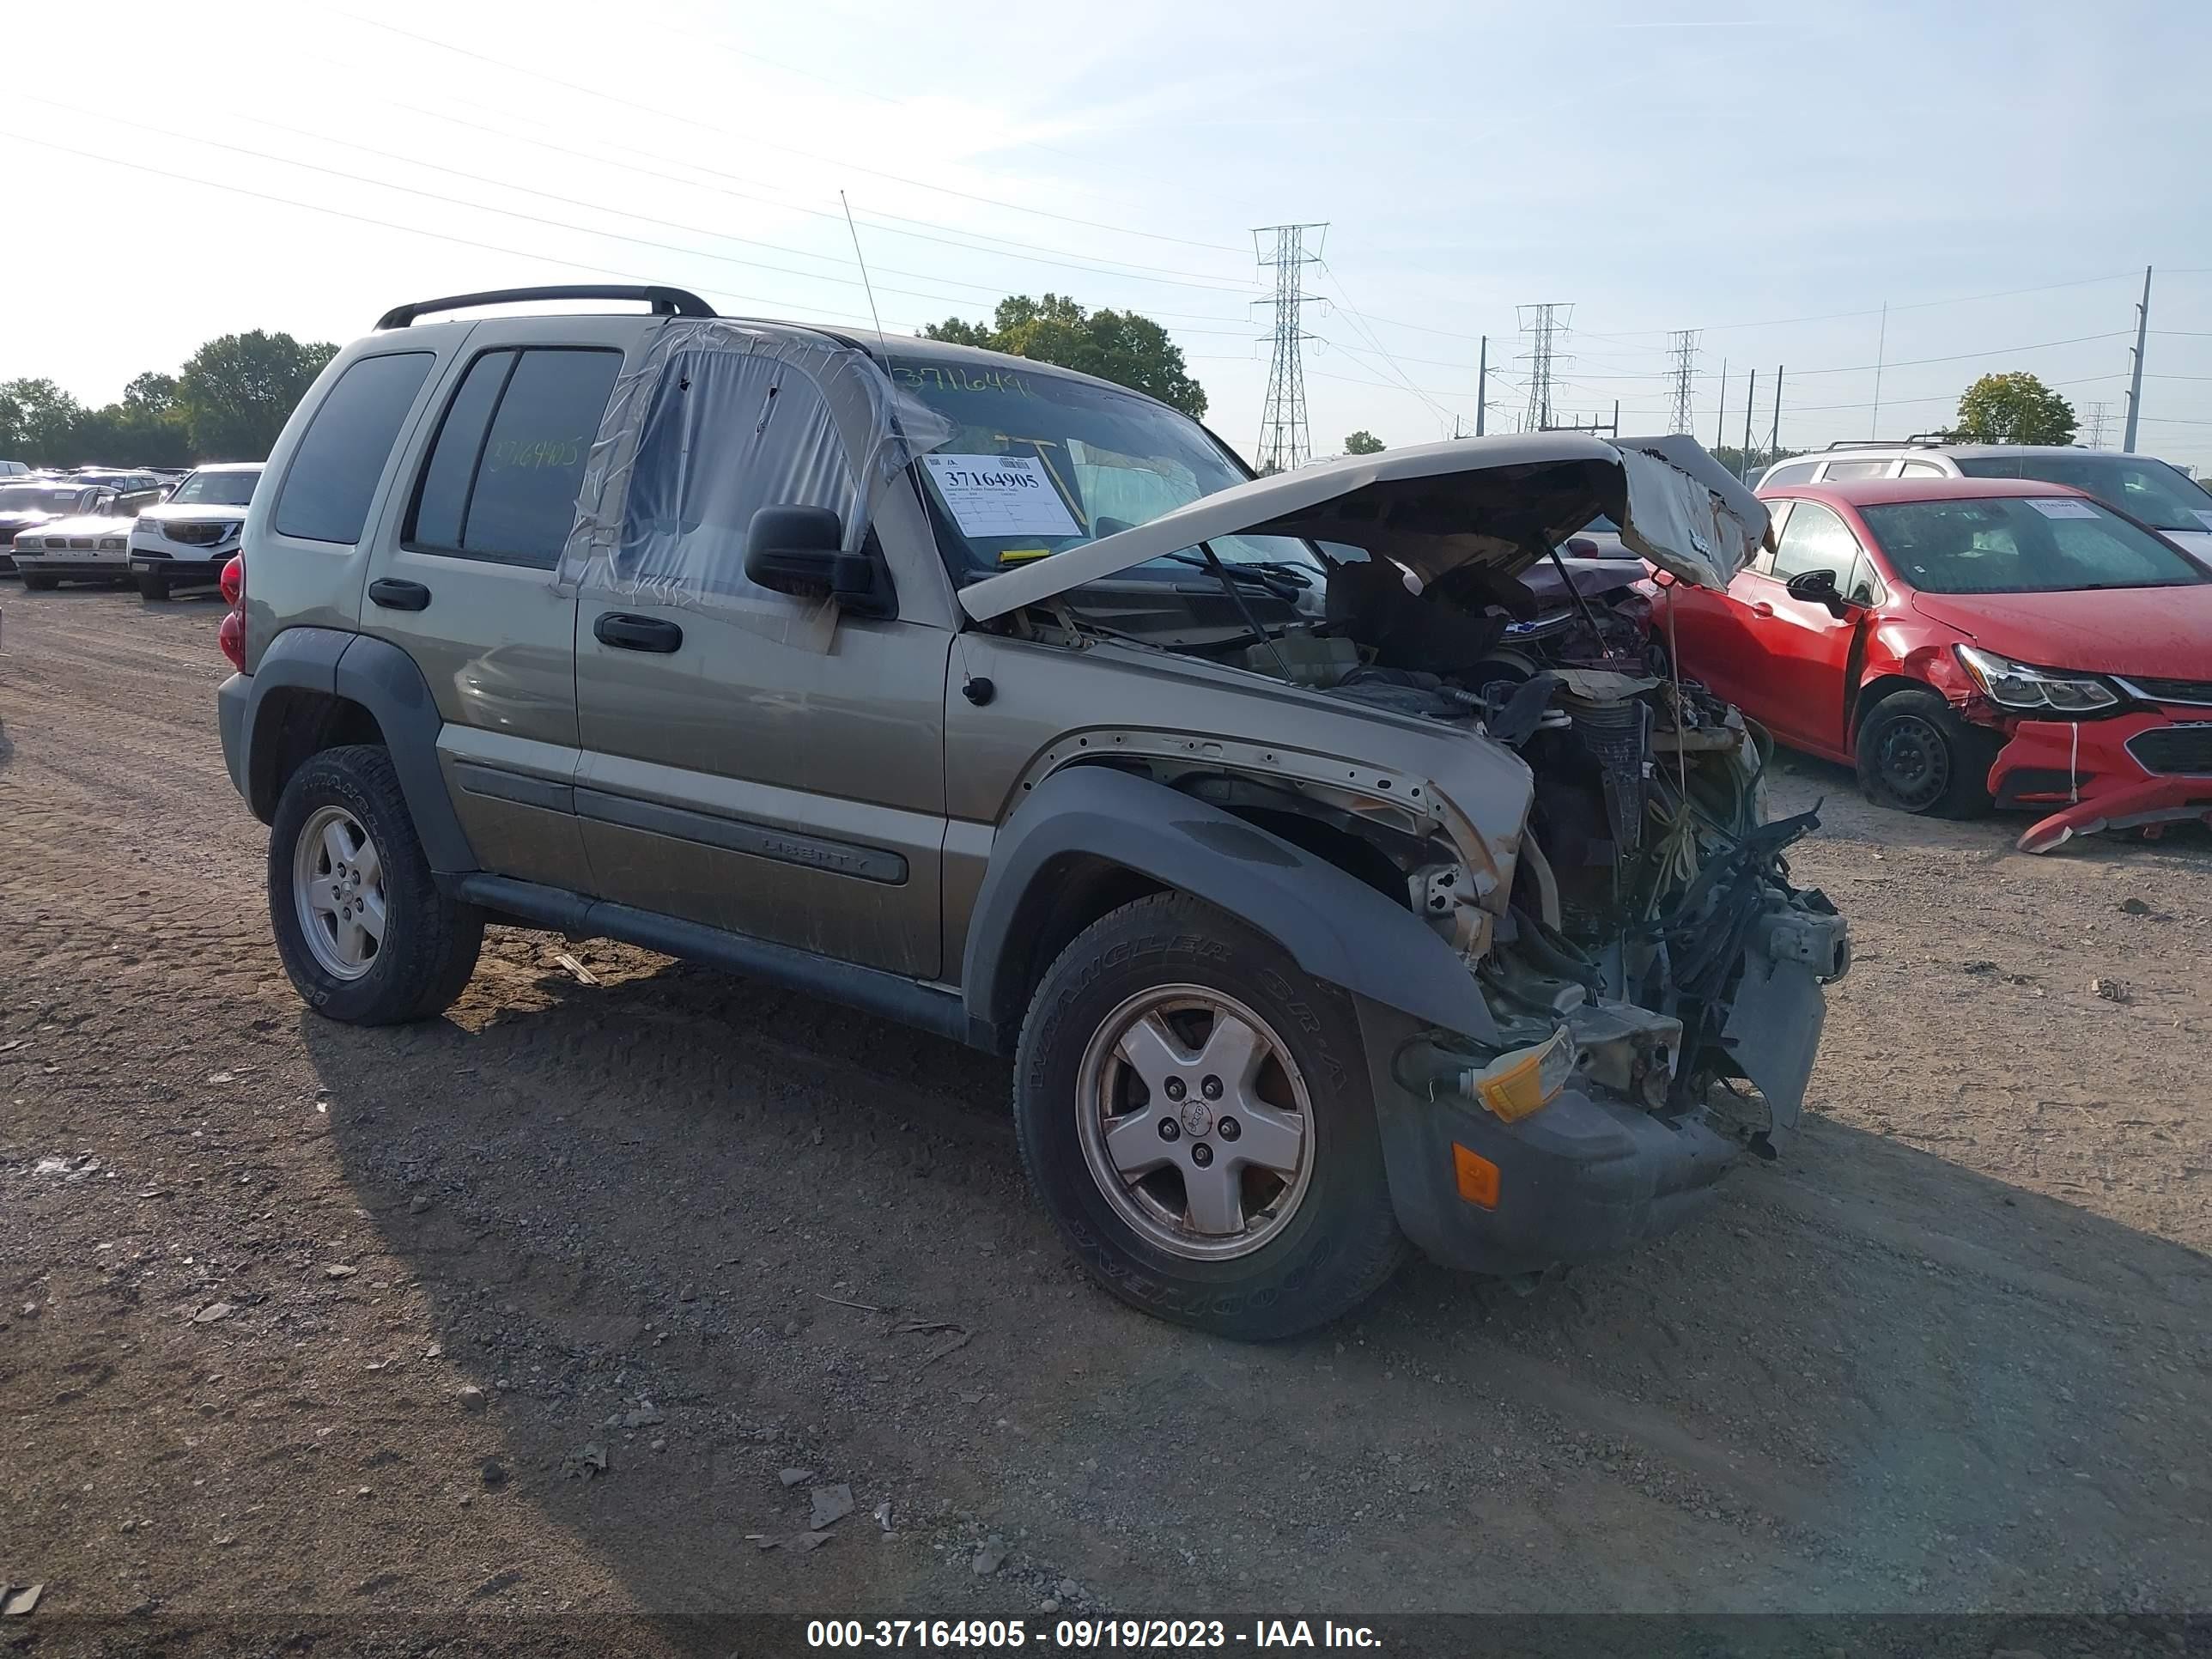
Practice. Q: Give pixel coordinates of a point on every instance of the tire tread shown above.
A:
(1368, 1248)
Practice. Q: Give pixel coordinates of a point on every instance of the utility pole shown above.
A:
(1285, 441)
(1881, 347)
(1686, 359)
(1481, 384)
(1743, 461)
(1543, 324)
(1774, 432)
(1720, 415)
(2135, 379)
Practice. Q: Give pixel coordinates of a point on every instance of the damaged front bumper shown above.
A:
(2120, 773)
(1595, 1171)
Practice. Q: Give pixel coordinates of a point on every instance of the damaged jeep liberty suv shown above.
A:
(1329, 889)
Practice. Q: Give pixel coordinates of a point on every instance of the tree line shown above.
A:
(227, 402)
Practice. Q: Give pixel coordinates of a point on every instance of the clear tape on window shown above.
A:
(716, 420)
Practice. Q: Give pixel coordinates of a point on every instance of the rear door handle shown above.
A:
(1760, 608)
(394, 595)
(627, 633)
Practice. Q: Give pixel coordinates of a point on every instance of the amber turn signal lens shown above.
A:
(1478, 1176)
(1526, 1081)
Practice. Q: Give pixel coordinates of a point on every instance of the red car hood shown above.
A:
(2163, 632)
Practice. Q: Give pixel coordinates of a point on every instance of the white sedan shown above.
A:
(94, 547)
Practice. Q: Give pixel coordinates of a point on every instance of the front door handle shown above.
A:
(1760, 608)
(394, 595)
(627, 633)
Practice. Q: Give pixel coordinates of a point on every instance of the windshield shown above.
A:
(37, 498)
(1038, 464)
(216, 489)
(2022, 544)
(2148, 489)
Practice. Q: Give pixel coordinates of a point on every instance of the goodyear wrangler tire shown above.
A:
(365, 933)
(1195, 1113)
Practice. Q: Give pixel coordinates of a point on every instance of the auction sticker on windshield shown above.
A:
(2062, 507)
(1000, 495)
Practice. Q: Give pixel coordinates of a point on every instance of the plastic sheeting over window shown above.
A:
(715, 422)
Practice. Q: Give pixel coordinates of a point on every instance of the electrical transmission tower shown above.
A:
(1543, 325)
(2095, 435)
(1285, 441)
(1686, 359)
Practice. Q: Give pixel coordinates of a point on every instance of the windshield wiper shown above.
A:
(1283, 580)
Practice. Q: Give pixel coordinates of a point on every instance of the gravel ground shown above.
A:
(585, 1296)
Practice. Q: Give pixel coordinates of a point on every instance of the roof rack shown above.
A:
(665, 302)
(1917, 441)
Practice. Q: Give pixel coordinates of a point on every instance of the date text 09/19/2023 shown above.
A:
(1082, 1634)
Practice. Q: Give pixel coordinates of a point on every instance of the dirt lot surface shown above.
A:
(304, 1319)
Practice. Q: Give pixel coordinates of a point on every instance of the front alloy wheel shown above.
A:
(1193, 1117)
(1195, 1111)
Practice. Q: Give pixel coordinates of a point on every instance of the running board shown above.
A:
(870, 989)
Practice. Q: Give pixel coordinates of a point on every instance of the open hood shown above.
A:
(1505, 502)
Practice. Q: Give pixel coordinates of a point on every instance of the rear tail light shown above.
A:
(231, 636)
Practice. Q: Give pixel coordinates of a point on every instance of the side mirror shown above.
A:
(1817, 587)
(799, 551)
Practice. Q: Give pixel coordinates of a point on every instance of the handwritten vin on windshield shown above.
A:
(1000, 495)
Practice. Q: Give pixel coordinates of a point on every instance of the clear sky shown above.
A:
(1999, 174)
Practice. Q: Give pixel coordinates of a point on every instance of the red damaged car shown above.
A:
(1971, 643)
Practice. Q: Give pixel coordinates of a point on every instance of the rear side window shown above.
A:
(1856, 470)
(332, 478)
(1920, 470)
(1799, 473)
(501, 480)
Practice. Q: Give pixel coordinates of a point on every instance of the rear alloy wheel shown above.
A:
(337, 890)
(1194, 1112)
(152, 586)
(1916, 756)
(365, 933)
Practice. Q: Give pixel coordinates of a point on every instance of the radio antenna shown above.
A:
(860, 259)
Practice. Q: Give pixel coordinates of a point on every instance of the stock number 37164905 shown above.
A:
(1074, 1634)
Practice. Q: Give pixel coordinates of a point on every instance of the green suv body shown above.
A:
(1323, 900)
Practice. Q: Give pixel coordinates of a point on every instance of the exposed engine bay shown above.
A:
(1647, 872)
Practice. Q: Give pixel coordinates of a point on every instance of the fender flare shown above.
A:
(383, 680)
(1334, 925)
